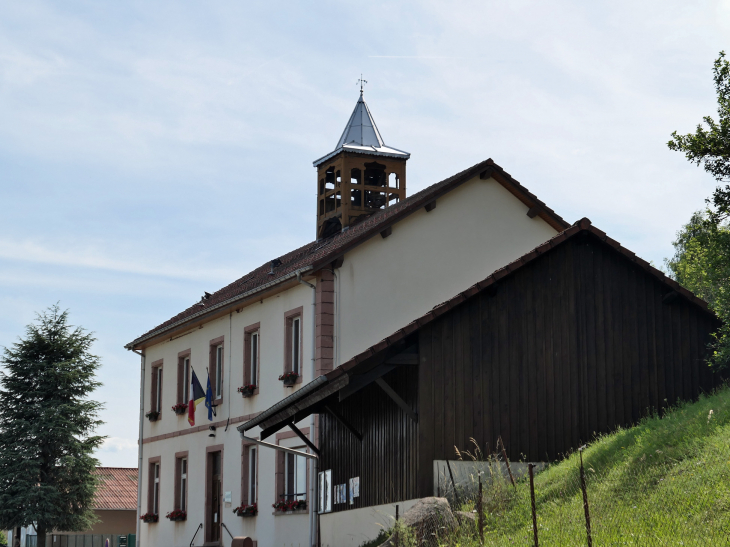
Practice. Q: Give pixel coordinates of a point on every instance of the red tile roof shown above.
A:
(117, 488)
(316, 254)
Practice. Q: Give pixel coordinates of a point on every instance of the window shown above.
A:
(186, 380)
(254, 358)
(158, 398)
(249, 474)
(216, 369)
(183, 484)
(153, 494)
(295, 334)
(251, 350)
(156, 387)
(183, 377)
(218, 372)
(295, 476)
(294, 343)
(252, 475)
(156, 493)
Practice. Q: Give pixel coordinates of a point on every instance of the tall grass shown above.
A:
(665, 481)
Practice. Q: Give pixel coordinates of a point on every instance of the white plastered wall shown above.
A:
(267, 529)
(430, 257)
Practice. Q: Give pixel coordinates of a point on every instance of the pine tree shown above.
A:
(46, 428)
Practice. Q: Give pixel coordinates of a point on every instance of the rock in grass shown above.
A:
(428, 520)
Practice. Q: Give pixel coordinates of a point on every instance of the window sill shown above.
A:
(285, 513)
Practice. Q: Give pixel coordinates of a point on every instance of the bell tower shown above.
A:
(361, 176)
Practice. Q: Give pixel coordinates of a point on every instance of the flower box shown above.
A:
(246, 510)
(149, 517)
(247, 391)
(180, 408)
(152, 415)
(177, 515)
(289, 378)
(284, 506)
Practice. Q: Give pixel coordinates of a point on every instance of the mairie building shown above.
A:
(380, 259)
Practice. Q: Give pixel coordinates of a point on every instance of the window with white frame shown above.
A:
(295, 476)
(186, 380)
(252, 475)
(254, 358)
(183, 484)
(219, 371)
(158, 389)
(295, 344)
(156, 489)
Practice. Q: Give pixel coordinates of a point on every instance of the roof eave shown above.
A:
(202, 313)
(375, 152)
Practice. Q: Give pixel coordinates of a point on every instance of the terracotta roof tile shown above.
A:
(316, 254)
(117, 488)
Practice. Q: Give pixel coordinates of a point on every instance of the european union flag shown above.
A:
(209, 401)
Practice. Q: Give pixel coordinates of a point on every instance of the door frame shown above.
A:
(209, 495)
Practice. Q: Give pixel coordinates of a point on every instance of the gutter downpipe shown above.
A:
(139, 449)
(314, 468)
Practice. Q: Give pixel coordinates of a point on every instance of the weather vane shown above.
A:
(361, 81)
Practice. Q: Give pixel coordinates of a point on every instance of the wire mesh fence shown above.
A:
(655, 501)
(83, 540)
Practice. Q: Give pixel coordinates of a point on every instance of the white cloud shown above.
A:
(118, 444)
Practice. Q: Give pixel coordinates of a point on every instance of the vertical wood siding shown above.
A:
(573, 344)
(386, 460)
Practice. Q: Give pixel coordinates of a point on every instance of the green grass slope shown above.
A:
(664, 482)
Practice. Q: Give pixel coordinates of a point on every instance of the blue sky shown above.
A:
(150, 151)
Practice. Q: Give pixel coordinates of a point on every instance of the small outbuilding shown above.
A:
(573, 339)
(115, 506)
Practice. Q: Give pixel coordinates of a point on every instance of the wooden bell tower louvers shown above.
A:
(361, 176)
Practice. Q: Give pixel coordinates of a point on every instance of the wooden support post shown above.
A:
(453, 484)
(506, 461)
(303, 437)
(337, 416)
(480, 511)
(396, 398)
(585, 499)
(530, 467)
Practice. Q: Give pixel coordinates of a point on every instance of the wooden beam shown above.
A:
(533, 211)
(670, 298)
(358, 382)
(303, 437)
(269, 431)
(337, 416)
(430, 206)
(277, 447)
(403, 359)
(396, 398)
(385, 233)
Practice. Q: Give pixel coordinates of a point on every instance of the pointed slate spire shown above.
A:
(361, 129)
(362, 135)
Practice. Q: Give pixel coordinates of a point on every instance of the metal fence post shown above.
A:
(506, 461)
(585, 499)
(397, 530)
(530, 468)
(480, 511)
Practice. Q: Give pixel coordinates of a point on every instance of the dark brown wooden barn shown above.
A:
(573, 339)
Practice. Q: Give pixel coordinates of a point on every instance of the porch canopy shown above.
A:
(324, 393)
